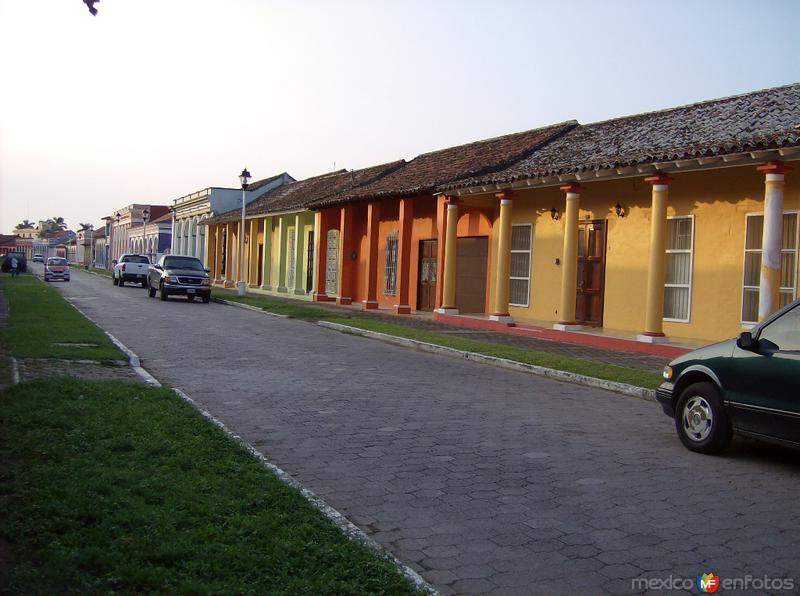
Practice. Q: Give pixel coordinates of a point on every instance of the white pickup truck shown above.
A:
(131, 268)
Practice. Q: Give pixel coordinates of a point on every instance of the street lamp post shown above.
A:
(90, 229)
(145, 217)
(244, 178)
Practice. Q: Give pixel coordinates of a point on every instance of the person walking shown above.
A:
(14, 267)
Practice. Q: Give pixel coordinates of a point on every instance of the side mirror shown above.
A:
(159, 267)
(745, 341)
(207, 270)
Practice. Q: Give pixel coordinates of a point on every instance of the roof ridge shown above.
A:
(705, 102)
(498, 137)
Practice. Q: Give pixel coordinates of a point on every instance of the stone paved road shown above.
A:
(482, 479)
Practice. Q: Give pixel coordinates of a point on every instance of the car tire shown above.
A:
(206, 299)
(151, 292)
(190, 297)
(164, 294)
(701, 420)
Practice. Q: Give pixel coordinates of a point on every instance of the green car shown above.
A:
(749, 386)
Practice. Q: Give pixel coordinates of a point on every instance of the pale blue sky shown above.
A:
(154, 99)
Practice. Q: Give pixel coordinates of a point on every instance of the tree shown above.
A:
(82, 227)
(54, 224)
(25, 225)
(90, 4)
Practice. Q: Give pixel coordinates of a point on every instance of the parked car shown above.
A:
(56, 268)
(22, 262)
(38, 258)
(130, 267)
(176, 275)
(749, 385)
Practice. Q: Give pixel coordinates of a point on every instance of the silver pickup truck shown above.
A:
(131, 267)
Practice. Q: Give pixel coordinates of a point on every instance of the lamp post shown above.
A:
(117, 242)
(145, 217)
(90, 229)
(244, 178)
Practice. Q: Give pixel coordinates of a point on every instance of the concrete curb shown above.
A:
(560, 375)
(347, 527)
(248, 307)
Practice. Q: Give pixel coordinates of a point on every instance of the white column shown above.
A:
(770, 280)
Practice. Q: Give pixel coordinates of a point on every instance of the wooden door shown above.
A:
(472, 255)
(310, 262)
(260, 265)
(426, 288)
(591, 273)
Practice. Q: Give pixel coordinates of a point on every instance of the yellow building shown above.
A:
(681, 223)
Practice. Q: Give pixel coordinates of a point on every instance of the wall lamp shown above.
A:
(554, 214)
(620, 210)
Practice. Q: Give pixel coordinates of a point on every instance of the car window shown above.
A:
(54, 261)
(135, 259)
(183, 263)
(784, 332)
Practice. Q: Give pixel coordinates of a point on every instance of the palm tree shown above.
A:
(25, 225)
(84, 226)
(59, 223)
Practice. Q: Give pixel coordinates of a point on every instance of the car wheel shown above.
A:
(151, 292)
(121, 282)
(164, 294)
(700, 419)
(206, 299)
(114, 279)
(190, 297)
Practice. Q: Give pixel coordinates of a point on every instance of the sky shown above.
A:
(151, 100)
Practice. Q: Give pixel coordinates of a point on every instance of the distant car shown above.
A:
(749, 386)
(56, 268)
(38, 258)
(22, 262)
(131, 267)
(176, 275)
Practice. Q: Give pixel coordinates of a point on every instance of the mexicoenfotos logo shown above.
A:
(708, 583)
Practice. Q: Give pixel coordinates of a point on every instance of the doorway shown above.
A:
(472, 255)
(426, 288)
(591, 273)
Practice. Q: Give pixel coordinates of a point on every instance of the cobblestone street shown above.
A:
(482, 479)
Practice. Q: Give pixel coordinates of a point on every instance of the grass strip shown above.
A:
(105, 272)
(115, 487)
(310, 312)
(599, 370)
(39, 318)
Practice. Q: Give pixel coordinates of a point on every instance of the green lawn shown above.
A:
(114, 487)
(39, 318)
(311, 312)
(105, 272)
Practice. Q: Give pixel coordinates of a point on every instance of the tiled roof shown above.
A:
(8, 239)
(300, 195)
(763, 119)
(426, 172)
(158, 212)
(259, 183)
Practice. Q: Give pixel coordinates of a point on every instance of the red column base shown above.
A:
(652, 334)
(322, 298)
(369, 305)
(344, 301)
(402, 309)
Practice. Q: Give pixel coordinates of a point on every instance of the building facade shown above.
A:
(190, 212)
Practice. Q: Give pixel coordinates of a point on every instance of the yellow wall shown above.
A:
(719, 201)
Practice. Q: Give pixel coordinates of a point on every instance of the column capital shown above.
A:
(659, 179)
(572, 188)
(774, 167)
(505, 195)
(451, 200)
